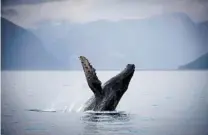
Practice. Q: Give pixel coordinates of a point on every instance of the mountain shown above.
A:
(200, 63)
(22, 50)
(161, 42)
(203, 30)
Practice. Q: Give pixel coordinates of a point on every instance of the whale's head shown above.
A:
(120, 82)
(125, 76)
(115, 88)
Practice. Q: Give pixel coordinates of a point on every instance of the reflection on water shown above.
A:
(107, 123)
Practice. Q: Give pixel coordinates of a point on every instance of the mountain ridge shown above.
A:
(161, 42)
(199, 63)
(145, 42)
(22, 50)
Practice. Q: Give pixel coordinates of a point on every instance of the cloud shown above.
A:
(196, 9)
(20, 2)
(82, 11)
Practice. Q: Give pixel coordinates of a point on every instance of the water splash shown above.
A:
(80, 108)
(39, 110)
(72, 107)
(61, 107)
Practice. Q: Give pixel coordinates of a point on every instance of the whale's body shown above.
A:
(106, 97)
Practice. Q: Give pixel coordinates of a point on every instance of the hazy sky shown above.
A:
(27, 13)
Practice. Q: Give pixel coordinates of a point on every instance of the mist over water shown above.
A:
(156, 102)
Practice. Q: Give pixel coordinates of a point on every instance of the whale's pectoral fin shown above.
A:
(91, 77)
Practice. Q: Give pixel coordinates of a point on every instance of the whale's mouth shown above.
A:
(130, 68)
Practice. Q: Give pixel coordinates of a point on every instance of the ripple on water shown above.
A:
(105, 116)
(112, 123)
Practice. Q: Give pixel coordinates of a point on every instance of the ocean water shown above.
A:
(156, 103)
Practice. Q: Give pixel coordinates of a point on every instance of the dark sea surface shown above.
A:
(156, 103)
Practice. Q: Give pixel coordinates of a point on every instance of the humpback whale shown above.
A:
(106, 97)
